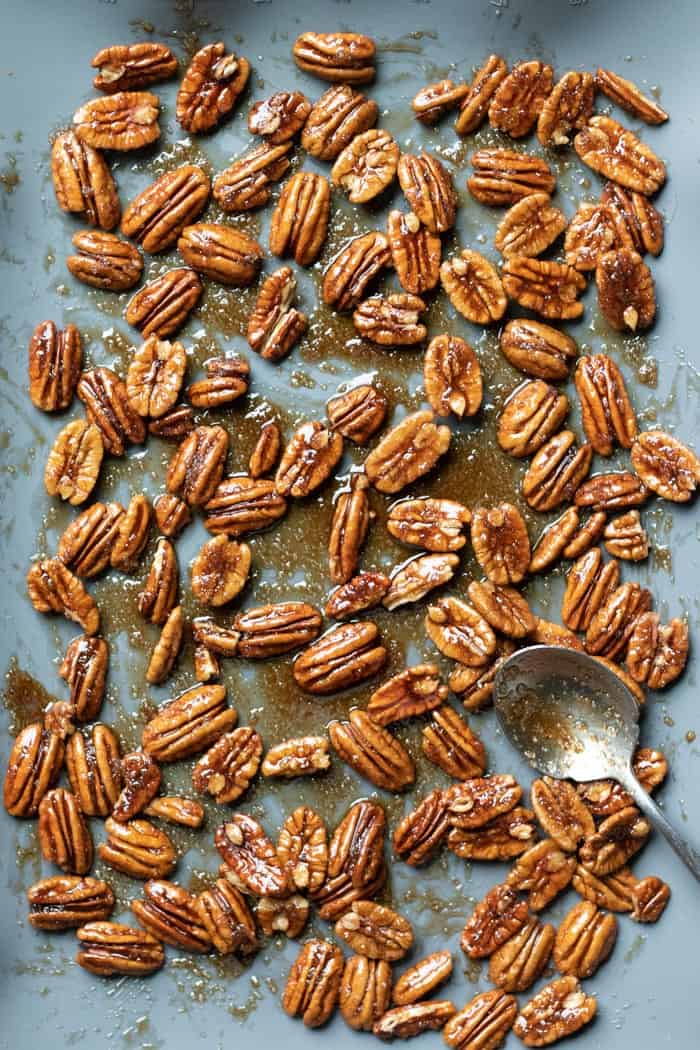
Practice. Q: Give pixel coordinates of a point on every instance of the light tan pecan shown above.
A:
(422, 978)
(391, 320)
(452, 377)
(375, 931)
(188, 724)
(367, 165)
(302, 847)
(33, 767)
(615, 152)
(429, 190)
(253, 864)
(417, 577)
(297, 757)
(343, 656)
(561, 812)
(170, 913)
(616, 840)
(64, 836)
(124, 121)
(556, 471)
(610, 629)
(403, 1022)
(537, 349)
(548, 633)
(415, 252)
(657, 653)
(627, 95)
(372, 751)
(266, 451)
(636, 221)
(358, 412)
(246, 184)
(227, 380)
(411, 692)
(221, 253)
(105, 261)
(502, 176)
(162, 306)
(625, 537)
(504, 608)
(506, 836)
(460, 632)
(499, 915)
(543, 871)
(607, 414)
(474, 287)
(270, 630)
(605, 797)
(626, 294)
(227, 919)
(365, 991)
(521, 959)
(518, 99)
(212, 84)
(430, 523)
(362, 592)
(107, 405)
(64, 902)
(53, 588)
(74, 462)
(110, 948)
(585, 938)
(558, 1010)
(175, 425)
(159, 594)
(227, 768)
(352, 270)
(533, 413)
(449, 743)
(475, 104)
(197, 466)
(275, 325)
(307, 461)
(155, 376)
(549, 288)
(501, 544)
(55, 361)
(157, 216)
(344, 57)
(665, 465)
(93, 763)
(475, 802)
(313, 983)
(137, 849)
(241, 504)
(279, 117)
(300, 220)
(566, 109)
(590, 234)
(174, 809)
(588, 534)
(141, 778)
(614, 491)
(529, 226)
(337, 117)
(349, 525)
(589, 583)
(410, 450)
(435, 100)
(82, 181)
(483, 1023)
(421, 832)
(123, 67)
(288, 916)
(220, 570)
(84, 668)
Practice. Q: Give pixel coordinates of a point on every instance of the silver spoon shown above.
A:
(570, 716)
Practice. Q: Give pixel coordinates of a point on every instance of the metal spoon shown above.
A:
(570, 716)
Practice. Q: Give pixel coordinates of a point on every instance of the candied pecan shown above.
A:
(157, 216)
(227, 919)
(308, 460)
(59, 717)
(337, 893)
(627, 95)
(609, 631)
(108, 407)
(452, 377)
(105, 261)
(421, 832)
(155, 375)
(483, 1023)
(349, 525)
(297, 757)
(434, 100)
(556, 471)
(365, 991)
(188, 724)
(246, 184)
(137, 849)
(475, 802)
(460, 632)
(529, 226)
(240, 504)
(503, 608)
(589, 235)
(543, 871)
(159, 594)
(625, 537)
(558, 1010)
(163, 305)
(355, 266)
(196, 467)
(141, 779)
(253, 864)
(521, 959)
(125, 66)
(649, 898)
(343, 656)
(585, 938)
(474, 685)
(433, 524)
(548, 633)
(636, 221)
(410, 450)
(411, 581)
(167, 648)
(606, 410)
(549, 288)
(506, 836)
(614, 491)
(375, 931)
(415, 252)
(64, 902)
(221, 253)
(429, 190)
(288, 916)
(367, 165)
(657, 653)
(313, 983)
(518, 99)
(110, 948)
(474, 287)
(498, 916)
(74, 462)
(588, 586)
(227, 380)
(337, 117)
(449, 743)
(411, 692)
(588, 534)
(266, 451)
(372, 751)
(220, 570)
(227, 768)
(616, 840)
(362, 592)
(403, 1022)
(532, 414)
(615, 892)
(220, 640)
(172, 515)
(82, 181)
(279, 117)
(501, 544)
(357, 846)
(124, 121)
(94, 770)
(274, 629)
(502, 176)
(84, 668)
(33, 767)
(174, 809)
(206, 664)
(170, 913)
(665, 465)
(422, 978)
(275, 325)
(52, 587)
(132, 534)
(55, 359)
(344, 57)
(86, 543)
(560, 812)
(392, 320)
(626, 294)
(357, 413)
(605, 797)
(175, 425)
(615, 152)
(566, 109)
(210, 88)
(537, 349)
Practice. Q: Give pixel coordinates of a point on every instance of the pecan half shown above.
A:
(561, 812)
(429, 190)
(495, 919)
(449, 743)
(362, 592)
(475, 802)
(110, 948)
(270, 630)
(558, 1010)
(422, 978)
(537, 349)
(107, 405)
(504, 608)
(590, 234)
(375, 931)
(188, 724)
(64, 902)
(307, 461)
(484, 1022)
(588, 585)
(74, 461)
(616, 840)
(162, 306)
(506, 836)
(137, 849)
(59, 717)
(606, 410)
(227, 768)
(93, 763)
(141, 779)
(657, 653)
(212, 84)
(352, 270)
(626, 294)
(474, 685)
(170, 913)
(460, 632)
(159, 594)
(529, 226)
(33, 767)
(279, 117)
(84, 668)
(313, 983)
(175, 425)
(430, 523)
(55, 360)
(337, 893)
(220, 570)
(344, 57)
(474, 287)
(519, 962)
(299, 757)
(626, 538)
(275, 325)
(585, 938)
(614, 491)
(627, 95)
(605, 797)
(543, 871)
(365, 991)
(474, 106)
(367, 165)
(124, 121)
(452, 377)
(357, 846)
(288, 916)
(392, 320)
(410, 450)
(549, 288)
(613, 151)
(421, 832)
(532, 414)
(174, 809)
(240, 505)
(197, 466)
(53, 588)
(502, 176)
(411, 581)
(403, 1022)
(105, 261)
(518, 99)
(411, 692)
(415, 252)
(501, 544)
(337, 117)
(266, 451)
(155, 376)
(588, 534)
(636, 221)
(246, 184)
(434, 100)
(227, 919)
(167, 648)
(349, 525)
(665, 465)
(253, 865)
(343, 656)
(556, 471)
(358, 413)
(123, 67)
(82, 181)
(548, 633)
(566, 109)
(221, 253)
(372, 751)
(610, 629)
(157, 216)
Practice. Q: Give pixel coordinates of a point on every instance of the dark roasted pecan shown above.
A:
(64, 836)
(349, 525)
(124, 121)
(666, 466)
(109, 948)
(123, 67)
(529, 226)
(275, 325)
(493, 921)
(558, 1010)
(501, 544)
(339, 115)
(484, 1022)
(210, 88)
(94, 769)
(518, 99)
(533, 413)
(172, 514)
(313, 983)
(86, 544)
(196, 467)
(64, 902)
(475, 104)
(460, 632)
(519, 962)
(33, 767)
(612, 624)
(55, 360)
(429, 190)
(298, 757)
(159, 594)
(105, 261)
(433, 524)
(372, 751)
(170, 913)
(411, 581)
(626, 294)
(411, 692)
(227, 919)
(84, 668)
(74, 461)
(502, 176)
(82, 181)
(344, 57)
(543, 871)
(585, 938)
(627, 95)
(625, 537)
(450, 744)
(588, 585)
(107, 405)
(367, 165)
(221, 253)
(549, 288)
(365, 991)
(407, 452)
(141, 779)
(188, 724)
(302, 847)
(247, 182)
(157, 216)
(566, 109)
(434, 100)
(422, 830)
(362, 592)
(138, 849)
(657, 653)
(452, 377)
(279, 117)
(227, 768)
(504, 608)
(274, 629)
(556, 471)
(308, 460)
(504, 837)
(415, 252)
(53, 588)
(474, 287)
(163, 305)
(352, 270)
(357, 413)
(561, 812)
(253, 864)
(537, 349)
(613, 151)
(375, 931)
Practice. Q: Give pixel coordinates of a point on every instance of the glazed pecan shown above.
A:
(613, 151)
(338, 892)
(529, 226)
(589, 235)
(64, 902)
(649, 897)
(160, 212)
(429, 190)
(392, 320)
(421, 832)
(460, 632)
(474, 287)
(86, 544)
(159, 594)
(501, 544)
(274, 629)
(137, 849)
(484, 1022)
(605, 797)
(123, 67)
(55, 360)
(410, 450)
(548, 633)
(53, 588)
(657, 653)
(313, 983)
(207, 667)
(107, 405)
(221, 253)
(132, 534)
(246, 184)
(537, 349)
(474, 685)
(212, 84)
(105, 261)
(665, 465)
(475, 104)
(167, 648)
(521, 959)
(452, 377)
(433, 524)
(175, 425)
(344, 57)
(300, 757)
(59, 717)
(626, 294)
(367, 165)
(636, 221)
(356, 851)
(585, 938)
(339, 115)
(275, 325)
(610, 629)
(625, 537)
(349, 525)
(475, 802)
(411, 581)
(561, 812)
(372, 751)
(415, 252)
(358, 413)
(627, 95)
(74, 461)
(556, 471)
(155, 376)
(365, 991)
(124, 121)
(110, 948)
(33, 767)
(543, 871)
(503, 838)
(141, 779)
(307, 461)
(495, 919)
(227, 380)
(549, 288)
(407, 694)
(422, 978)
(252, 861)
(227, 768)
(606, 410)
(196, 467)
(93, 763)
(240, 505)
(434, 100)
(220, 570)
(170, 913)
(616, 840)
(288, 916)
(504, 608)
(449, 743)
(188, 724)
(566, 109)
(82, 181)
(266, 451)
(518, 99)
(279, 117)
(352, 270)
(84, 668)
(174, 809)
(302, 847)
(588, 534)
(362, 592)
(588, 586)
(533, 413)
(162, 306)
(502, 176)
(558, 1010)
(375, 931)
(403, 1022)
(614, 491)
(227, 919)
(220, 640)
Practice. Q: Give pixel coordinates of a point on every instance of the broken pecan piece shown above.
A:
(212, 84)
(502, 176)
(197, 465)
(665, 465)
(410, 450)
(543, 871)
(55, 361)
(549, 288)
(299, 757)
(411, 692)
(529, 226)
(53, 588)
(344, 57)
(105, 261)
(372, 751)
(504, 608)
(475, 104)
(141, 778)
(585, 938)
(484, 1022)
(84, 668)
(93, 763)
(227, 768)
(246, 184)
(625, 537)
(365, 991)
(391, 320)
(495, 919)
(275, 325)
(537, 349)
(449, 743)
(518, 99)
(403, 1022)
(615, 152)
(137, 849)
(74, 461)
(626, 294)
(367, 165)
(474, 287)
(352, 270)
(266, 451)
(556, 471)
(433, 524)
(159, 594)
(253, 865)
(307, 461)
(221, 253)
(521, 959)
(170, 913)
(64, 902)
(162, 306)
(82, 181)
(657, 653)
(110, 948)
(460, 632)
(375, 931)
(358, 413)
(452, 377)
(123, 67)
(558, 1010)
(339, 115)
(124, 121)
(188, 724)
(434, 100)
(343, 656)
(429, 190)
(415, 252)
(279, 117)
(566, 109)
(627, 95)
(313, 983)
(501, 544)
(533, 413)
(561, 812)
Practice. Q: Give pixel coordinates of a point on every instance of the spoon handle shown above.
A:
(650, 809)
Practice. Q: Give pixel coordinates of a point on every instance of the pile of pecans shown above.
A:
(591, 831)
